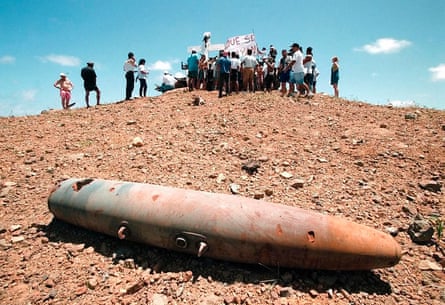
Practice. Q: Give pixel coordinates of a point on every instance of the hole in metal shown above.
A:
(80, 184)
(311, 236)
(181, 242)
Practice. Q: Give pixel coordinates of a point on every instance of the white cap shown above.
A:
(62, 75)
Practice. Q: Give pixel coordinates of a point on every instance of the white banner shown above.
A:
(241, 43)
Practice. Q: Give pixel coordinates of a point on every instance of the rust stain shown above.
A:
(155, 197)
(279, 230)
(112, 189)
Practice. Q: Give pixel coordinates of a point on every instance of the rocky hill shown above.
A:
(375, 165)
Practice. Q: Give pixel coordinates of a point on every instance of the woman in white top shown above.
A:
(142, 76)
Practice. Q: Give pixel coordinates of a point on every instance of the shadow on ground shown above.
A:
(161, 260)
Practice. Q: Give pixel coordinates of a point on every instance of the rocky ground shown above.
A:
(375, 165)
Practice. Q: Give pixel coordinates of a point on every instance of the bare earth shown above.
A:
(358, 161)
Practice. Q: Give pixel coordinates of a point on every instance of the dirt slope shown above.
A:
(362, 162)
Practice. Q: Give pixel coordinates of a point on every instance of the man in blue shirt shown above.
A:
(192, 63)
(224, 73)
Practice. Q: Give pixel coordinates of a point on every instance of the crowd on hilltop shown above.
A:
(294, 73)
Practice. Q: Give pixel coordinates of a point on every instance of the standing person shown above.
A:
(284, 71)
(65, 86)
(309, 65)
(314, 82)
(203, 67)
(224, 74)
(270, 74)
(248, 65)
(335, 75)
(142, 76)
(193, 64)
(235, 65)
(297, 73)
(89, 83)
(129, 66)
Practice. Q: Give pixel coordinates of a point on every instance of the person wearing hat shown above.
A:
(65, 86)
(193, 63)
(89, 82)
(297, 71)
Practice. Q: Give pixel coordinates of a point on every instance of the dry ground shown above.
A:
(358, 161)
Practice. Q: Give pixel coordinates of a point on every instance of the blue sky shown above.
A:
(389, 50)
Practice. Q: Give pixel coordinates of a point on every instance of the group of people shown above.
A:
(65, 86)
(295, 73)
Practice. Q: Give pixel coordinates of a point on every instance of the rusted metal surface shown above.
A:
(221, 226)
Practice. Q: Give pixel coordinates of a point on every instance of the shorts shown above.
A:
(297, 78)
(89, 87)
(65, 94)
(285, 76)
(193, 74)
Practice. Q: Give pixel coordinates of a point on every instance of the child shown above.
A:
(65, 86)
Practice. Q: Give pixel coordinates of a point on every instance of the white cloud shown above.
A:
(28, 95)
(438, 73)
(7, 59)
(63, 60)
(161, 66)
(385, 46)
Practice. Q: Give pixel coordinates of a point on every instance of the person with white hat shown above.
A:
(65, 86)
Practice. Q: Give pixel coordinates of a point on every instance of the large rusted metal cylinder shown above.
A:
(222, 226)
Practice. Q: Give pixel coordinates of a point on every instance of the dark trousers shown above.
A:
(223, 79)
(129, 76)
(143, 87)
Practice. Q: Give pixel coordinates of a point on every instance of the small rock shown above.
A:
(221, 178)
(268, 192)
(4, 244)
(313, 293)
(159, 299)
(131, 122)
(92, 283)
(433, 186)
(410, 116)
(421, 231)
(134, 287)
(14, 228)
(392, 231)
(286, 175)
(251, 167)
(17, 239)
(297, 183)
(198, 101)
(258, 196)
(129, 263)
(285, 292)
(234, 188)
(430, 266)
(137, 142)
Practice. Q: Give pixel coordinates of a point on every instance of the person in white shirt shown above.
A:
(235, 66)
(168, 82)
(142, 76)
(248, 65)
(129, 66)
(297, 71)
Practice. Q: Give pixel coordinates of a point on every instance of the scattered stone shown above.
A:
(17, 239)
(432, 186)
(198, 101)
(137, 142)
(392, 231)
(285, 292)
(258, 196)
(131, 122)
(313, 293)
(234, 188)
(159, 299)
(14, 228)
(134, 287)
(421, 231)
(297, 183)
(268, 192)
(221, 178)
(129, 263)
(426, 265)
(4, 244)
(410, 210)
(322, 160)
(410, 116)
(286, 175)
(251, 167)
(92, 283)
